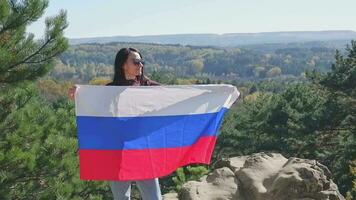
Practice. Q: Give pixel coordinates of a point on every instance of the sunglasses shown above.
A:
(138, 61)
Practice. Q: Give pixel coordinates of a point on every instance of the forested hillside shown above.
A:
(84, 62)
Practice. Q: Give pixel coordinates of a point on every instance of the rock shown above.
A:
(257, 174)
(170, 196)
(221, 184)
(237, 162)
(234, 163)
(263, 176)
(301, 178)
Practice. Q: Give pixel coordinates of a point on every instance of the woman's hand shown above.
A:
(71, 92)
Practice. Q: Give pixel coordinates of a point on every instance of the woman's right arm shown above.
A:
(71, 92)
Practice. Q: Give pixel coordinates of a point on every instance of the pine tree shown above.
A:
(21, 56)
(37, 140)
(340, 84)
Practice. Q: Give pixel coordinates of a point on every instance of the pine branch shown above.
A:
(34, 54)
(15, 23)
(30, 56)
(43, 60)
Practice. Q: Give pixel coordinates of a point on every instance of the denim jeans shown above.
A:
(149, 189)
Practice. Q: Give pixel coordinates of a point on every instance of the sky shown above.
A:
(97, 18)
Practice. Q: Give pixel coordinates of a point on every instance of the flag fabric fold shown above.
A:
(144, 132)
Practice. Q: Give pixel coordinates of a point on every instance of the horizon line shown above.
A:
(220, 34)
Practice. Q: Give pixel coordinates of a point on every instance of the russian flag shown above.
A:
(144, 132)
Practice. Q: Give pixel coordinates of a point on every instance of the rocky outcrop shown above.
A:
(263, 176)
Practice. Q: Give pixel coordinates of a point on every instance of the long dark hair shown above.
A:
(119, 74)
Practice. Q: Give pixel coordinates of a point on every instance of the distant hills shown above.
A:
(230, 39)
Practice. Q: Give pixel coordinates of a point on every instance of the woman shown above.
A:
(128, 70)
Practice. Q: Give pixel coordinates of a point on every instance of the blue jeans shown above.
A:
(149, 189)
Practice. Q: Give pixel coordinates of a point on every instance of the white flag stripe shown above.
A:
(132, 101)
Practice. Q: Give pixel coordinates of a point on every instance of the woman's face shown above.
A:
(133, 67)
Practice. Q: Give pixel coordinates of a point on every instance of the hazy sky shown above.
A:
(92, 18)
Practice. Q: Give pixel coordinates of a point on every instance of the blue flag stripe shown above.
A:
(146, 132)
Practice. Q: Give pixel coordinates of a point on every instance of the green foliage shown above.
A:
(340, 84)
(163, 78)
(352, 192)
(179, 179)
(21, 56)
(188, 173)
(284, 119)
(342, 77)
(39, 153)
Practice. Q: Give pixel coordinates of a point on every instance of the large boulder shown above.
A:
(263, 176)
(301, 178)
(258, 173)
